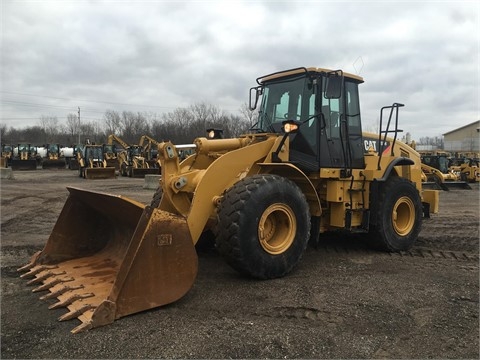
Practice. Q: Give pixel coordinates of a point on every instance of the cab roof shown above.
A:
(285, 73)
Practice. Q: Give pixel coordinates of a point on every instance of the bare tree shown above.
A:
(237, 125)
(178, 126)
(50, 126)
(112, 122)
(251, 116)
(3, 133)
(73, 125)
(436, 141)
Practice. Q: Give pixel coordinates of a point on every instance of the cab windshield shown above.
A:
(95, 153)
(290, 99)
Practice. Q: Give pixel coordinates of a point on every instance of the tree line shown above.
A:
(180, 126)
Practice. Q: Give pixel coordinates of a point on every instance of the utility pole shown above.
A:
(78, 126)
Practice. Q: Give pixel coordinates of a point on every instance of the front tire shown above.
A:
(399, 216)
(123, 169)
(263, 226)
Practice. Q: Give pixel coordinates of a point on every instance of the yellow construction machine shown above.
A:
(25, 157)
(132, 159)
(91, 163)
(439, 175)
(53, 158)
(467, 169)
(6, 156)
(110, 155)
(303, 170)
(150, 150)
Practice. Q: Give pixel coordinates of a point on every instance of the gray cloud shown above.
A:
(161, 55)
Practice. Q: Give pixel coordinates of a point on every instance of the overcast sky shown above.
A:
(156, 55)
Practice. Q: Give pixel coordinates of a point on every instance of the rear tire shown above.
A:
(399, 216)
(263, 226)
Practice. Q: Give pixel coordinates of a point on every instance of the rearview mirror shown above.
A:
(255, 93)
(334, 85)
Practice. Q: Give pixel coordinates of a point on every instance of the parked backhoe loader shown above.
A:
(70, 154)
(53, 159)
(110, 155)
(303, 170)
(150, 151)
(25, 157)
(6, 156)
(92, 165)
(132, 160)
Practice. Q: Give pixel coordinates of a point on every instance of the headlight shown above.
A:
(290, 126)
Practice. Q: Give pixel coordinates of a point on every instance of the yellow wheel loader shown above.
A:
(304, 169)
(92, 165)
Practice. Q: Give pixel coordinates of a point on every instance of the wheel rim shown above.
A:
(403, 216)
(277, 228)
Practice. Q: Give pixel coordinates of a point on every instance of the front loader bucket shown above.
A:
(30, 164)
(100, 173)
(140, 173)
(113, 163)
(109, 256)
(434, 185)
(457, 185)
(53, 164)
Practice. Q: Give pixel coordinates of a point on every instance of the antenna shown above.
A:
(358, 65)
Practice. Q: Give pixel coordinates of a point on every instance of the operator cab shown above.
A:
(326, 105)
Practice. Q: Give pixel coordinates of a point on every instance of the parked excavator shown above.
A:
(303, 170)
(53, 159)
(25, 158)
(91, 163)
(132, 159)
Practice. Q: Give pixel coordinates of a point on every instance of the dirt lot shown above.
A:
(343, 301)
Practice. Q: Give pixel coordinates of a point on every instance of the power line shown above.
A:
(83, 100)
(49, 106)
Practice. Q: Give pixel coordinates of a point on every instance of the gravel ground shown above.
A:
(343, 301)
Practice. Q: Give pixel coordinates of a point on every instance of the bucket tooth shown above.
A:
(60, 291)
(70, 300)
(75, 313)
(44, 277)
(38, 269)
(82, 327)
(26, 267)
(31, 264)
(51, 284)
